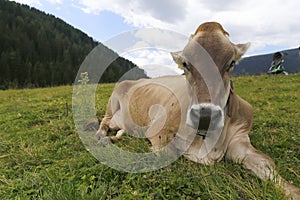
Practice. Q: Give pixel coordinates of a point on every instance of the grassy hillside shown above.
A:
(42, 157)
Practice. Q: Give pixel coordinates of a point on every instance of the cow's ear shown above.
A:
(177, 57)
(241, 50)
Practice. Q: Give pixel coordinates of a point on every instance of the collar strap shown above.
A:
(202, 134)
(230, 100)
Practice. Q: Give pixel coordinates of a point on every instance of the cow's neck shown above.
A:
(228, 110)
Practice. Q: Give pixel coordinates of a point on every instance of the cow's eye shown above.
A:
(232, 64)
(186, 66)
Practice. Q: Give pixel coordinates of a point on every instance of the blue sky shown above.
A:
(270, 25)
(99, 26)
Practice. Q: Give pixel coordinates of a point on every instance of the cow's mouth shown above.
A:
(204, 123)
(205, 117)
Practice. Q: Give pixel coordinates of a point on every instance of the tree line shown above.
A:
(41, 50)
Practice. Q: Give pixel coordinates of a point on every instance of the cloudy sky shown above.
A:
(270, 25)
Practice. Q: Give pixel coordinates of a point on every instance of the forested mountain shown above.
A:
(38, 49)
(256, 65)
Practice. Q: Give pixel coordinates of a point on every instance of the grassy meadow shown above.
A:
(42, 156)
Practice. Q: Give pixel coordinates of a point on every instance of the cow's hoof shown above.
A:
(99, 135)
(104, 141)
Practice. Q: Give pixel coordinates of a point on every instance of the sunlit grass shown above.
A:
(42, 157)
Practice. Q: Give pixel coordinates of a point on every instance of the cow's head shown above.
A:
(208, 61)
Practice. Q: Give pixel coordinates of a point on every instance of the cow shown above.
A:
(203, 98)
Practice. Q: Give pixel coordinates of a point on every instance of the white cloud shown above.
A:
(156, 62)
(162, 39)
(150, 49)
(263, 23)
(55, 1)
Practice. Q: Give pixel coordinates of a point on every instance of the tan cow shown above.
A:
(203, 99)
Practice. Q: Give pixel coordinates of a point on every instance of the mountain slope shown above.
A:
(38, 49)
(256, 65)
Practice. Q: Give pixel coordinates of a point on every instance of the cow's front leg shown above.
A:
(241, 151)
(103, 128)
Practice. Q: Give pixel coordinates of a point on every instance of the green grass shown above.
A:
(42, 157)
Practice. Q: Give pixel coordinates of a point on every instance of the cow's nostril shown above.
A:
(205, 112)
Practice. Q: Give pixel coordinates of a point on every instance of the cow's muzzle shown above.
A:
(205, 116)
